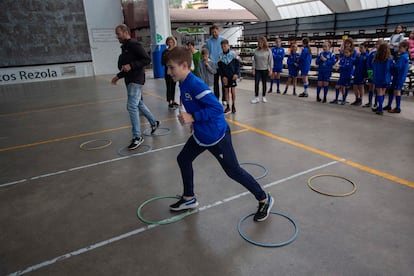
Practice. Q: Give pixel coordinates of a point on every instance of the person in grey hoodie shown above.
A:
(206, 68)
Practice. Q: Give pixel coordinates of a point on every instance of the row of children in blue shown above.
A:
(360, 67)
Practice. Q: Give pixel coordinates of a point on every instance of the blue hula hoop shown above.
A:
(256, 164)
(295, 235)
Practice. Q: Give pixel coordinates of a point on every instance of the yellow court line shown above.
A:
(72, 137)
(326, 154)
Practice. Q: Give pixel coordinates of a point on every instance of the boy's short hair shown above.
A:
(404, 44)
(224, 41)
(191, 42)
(124, 28)
(205, 51)
(181, 54)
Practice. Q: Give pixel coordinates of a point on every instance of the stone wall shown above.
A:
(39, 32)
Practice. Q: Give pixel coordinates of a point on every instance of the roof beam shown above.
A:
(264, 10)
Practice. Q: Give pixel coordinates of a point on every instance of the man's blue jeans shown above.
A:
(135, 104)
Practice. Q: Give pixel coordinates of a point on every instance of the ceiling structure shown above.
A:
(269, 10)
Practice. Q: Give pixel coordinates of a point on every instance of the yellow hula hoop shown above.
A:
(82, 146)
(329, 194)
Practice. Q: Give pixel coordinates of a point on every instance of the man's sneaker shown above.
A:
(324, 100)
(334, 102)
(227, 110)
(264, 209)
(175, 104)
(278, 91)
(255, 101)
(387, 107)
(318, 99)
(224, 103)
(233, 109)
(171, 106)
(135, 143)
(264, 100)
(355, 102)
(303, 95)
(183, 204)
(269, 91)
(367, 105)
(155, 126)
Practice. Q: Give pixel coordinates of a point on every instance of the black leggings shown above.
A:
(170, 83)
(260, 75)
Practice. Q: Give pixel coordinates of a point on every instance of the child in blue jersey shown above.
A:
(360, 73)
(381, 68)
(229, 70)
(371, 86)
(278, 53)
(346, 68)
(293, 68)
(325, 60)
(399, 71)
(305, 60)
(210, 132)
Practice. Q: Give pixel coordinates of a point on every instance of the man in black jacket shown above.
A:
(131, 64)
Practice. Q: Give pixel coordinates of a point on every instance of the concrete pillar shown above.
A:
(160, 27)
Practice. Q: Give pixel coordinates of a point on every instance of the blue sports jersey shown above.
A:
(370, 59)
(382, 73)
(328, 63)
(209, 125)
(399, 69)
(292, 68)
(278, 54)
(346, 67)
(360, 71)
(305, 59)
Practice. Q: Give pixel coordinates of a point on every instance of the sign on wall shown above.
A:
(45, 73)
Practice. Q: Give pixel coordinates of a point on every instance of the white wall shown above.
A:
(102, 16)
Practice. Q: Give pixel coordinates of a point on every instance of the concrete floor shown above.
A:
(68, 211)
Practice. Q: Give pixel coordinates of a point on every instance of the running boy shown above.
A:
(229, 70)
(293, 68)
(346, 67)
(210, 132)
(325, 60)
(399, 71)
(278, 53)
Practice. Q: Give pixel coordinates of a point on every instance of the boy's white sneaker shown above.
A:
(264, 100)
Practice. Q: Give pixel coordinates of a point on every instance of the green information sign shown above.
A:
(159, 38)
(191, 30)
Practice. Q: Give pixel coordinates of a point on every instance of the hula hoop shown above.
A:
(165, 131)
(165, 221)
(265, 171)
(295, 235)
(120, 150)
(329, 194)
(82, 146)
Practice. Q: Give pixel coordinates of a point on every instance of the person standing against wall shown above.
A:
(213, 45)
(131, 64)
(262, 68)
(395, 39)
(169, 82)
(305, 60)
(278, 53)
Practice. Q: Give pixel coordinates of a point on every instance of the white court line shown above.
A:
(87, 166)
(143, 229)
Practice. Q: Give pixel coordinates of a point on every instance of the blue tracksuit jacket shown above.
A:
(399, 71)
(292, 68)
(209, 125)
(305, 60)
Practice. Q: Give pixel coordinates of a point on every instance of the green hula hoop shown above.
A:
(164, 221)
(82, 146)
(329, 194)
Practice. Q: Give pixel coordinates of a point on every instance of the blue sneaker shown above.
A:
(183, 204)
(264, 209)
